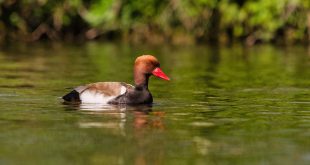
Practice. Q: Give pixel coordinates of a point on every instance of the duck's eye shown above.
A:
(155, 64)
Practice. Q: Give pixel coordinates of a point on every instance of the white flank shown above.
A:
(94, 97)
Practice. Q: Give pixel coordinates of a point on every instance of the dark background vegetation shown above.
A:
(156, 21)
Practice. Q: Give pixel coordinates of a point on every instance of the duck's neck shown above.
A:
(141, 80)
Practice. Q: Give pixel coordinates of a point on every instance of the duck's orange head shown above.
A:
(149, 65)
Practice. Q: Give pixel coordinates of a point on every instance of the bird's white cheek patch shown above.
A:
(93, 97)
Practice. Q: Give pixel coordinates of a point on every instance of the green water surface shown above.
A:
(223, 105)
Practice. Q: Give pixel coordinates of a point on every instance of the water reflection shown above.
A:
(138, 125)
(143, 116)
(105, 108)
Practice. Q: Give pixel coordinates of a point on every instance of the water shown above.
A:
(224, 105)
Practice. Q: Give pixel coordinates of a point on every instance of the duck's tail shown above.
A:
(73, 96)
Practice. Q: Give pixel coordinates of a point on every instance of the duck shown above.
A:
(120, 92)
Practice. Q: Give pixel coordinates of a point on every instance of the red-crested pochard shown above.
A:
(119, 92)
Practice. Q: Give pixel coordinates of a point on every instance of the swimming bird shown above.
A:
(120, 92)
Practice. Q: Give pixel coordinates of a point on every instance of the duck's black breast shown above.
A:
(134, 96)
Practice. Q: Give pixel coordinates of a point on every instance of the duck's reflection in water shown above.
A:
(148, 129)
(116, 116)
(142, 128)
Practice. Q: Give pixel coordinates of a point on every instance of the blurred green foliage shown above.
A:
(156, 21)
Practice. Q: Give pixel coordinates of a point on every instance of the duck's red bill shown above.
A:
(159, 73)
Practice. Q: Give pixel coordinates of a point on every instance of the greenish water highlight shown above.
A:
(223, 105)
